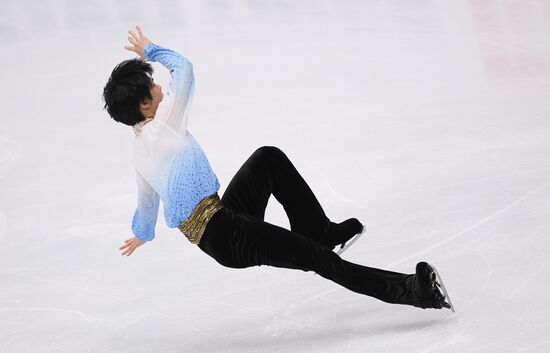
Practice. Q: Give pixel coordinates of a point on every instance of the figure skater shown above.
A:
(171, 166)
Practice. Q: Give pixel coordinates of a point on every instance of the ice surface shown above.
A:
(427, 120)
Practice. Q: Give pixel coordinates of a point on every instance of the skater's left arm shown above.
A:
(145, 216)
(130, 245)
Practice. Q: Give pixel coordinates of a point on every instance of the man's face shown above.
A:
(156, 94)
(148, 107)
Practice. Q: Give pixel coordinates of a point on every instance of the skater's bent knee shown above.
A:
(268, 152)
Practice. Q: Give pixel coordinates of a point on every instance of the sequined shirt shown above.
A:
(170, 164)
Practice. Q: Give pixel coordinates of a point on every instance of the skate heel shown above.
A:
(429, 289)
(447, 303)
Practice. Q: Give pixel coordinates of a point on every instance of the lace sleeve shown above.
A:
(145, 216)
(182, 84)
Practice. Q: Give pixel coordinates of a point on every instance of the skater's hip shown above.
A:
(195, 225)
(218, 238)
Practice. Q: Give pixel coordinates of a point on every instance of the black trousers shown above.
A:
(237, 236)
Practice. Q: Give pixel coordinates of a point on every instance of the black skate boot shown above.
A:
(342, 233)
(425, 288)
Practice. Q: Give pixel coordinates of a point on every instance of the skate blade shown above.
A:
(439, 283)
(350, 242)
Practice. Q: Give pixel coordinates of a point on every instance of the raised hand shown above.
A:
(130, 245)
(138, 41)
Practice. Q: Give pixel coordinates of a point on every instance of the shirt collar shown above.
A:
(139, 126)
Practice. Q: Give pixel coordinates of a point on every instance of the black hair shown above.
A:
(129, 84)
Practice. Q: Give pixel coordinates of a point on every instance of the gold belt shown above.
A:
(193, 227)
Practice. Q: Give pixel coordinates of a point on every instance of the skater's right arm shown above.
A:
(182, 84)
(145, 216)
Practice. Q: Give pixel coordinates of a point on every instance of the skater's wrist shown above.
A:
(148, 51)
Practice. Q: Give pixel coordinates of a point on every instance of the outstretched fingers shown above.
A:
(138, 41)
(130, 245)
(133, 36)
(129, 251)
(132, 40)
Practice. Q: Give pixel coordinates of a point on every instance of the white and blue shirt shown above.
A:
(170, 164)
